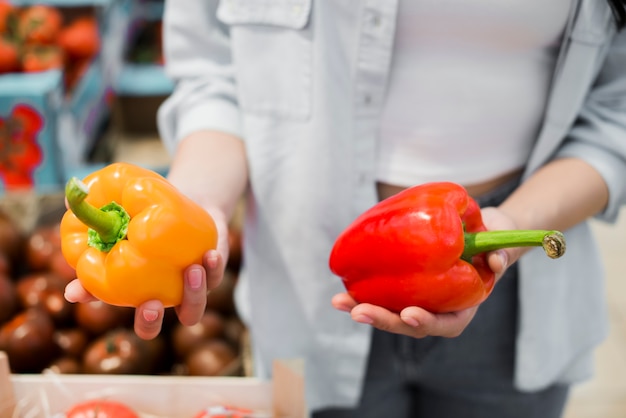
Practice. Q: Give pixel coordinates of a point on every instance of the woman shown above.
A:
(317, 110)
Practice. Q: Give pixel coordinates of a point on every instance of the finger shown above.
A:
(493, 218)
(199, 280)
(440, 325)
(76, 293)
(490, 216)
(498, 262)
(383, 320)
(215, 265)
(194, 300)
(343, 302)
(149, 319)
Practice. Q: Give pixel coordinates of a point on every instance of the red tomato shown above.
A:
(40, 24)
(21, 152)
(81, 38)
(42, 58)
(9, 56)
(101, 409)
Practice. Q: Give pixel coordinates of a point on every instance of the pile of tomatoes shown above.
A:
(42, 37)
(40, 329)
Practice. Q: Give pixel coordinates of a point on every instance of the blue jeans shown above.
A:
(468, 376)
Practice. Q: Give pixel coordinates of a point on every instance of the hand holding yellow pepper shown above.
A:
(130, 235)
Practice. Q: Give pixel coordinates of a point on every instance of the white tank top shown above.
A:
(467, 88)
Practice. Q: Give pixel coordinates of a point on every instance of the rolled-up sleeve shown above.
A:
(599, 134)
(198, 60)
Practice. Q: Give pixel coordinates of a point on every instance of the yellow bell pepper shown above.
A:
(130, 234)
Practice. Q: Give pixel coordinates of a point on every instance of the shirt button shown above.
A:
(367, 99)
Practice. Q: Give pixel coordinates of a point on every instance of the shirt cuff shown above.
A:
(176, 121)
(220, 116)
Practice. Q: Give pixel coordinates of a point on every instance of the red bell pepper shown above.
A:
(426, 246)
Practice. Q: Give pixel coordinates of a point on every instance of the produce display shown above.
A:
(40, 330)
(42, 37)
(142, 84)
(426, 246)
(65, 357)
(93, 396)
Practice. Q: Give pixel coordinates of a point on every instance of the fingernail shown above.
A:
(194, 279)
(363, 319)
(410, 321)
(504, 258)
(69, 297)
(150, 315)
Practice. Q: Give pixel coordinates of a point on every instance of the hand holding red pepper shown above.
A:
(426, 247)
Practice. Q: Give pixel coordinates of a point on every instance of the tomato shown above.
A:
(81, 38)
(42, 58)
(9, 56)
(101, 409)
(21, 152)
(40, 24)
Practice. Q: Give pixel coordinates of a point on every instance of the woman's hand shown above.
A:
(198, 281)
(417, 322)
(412, 321)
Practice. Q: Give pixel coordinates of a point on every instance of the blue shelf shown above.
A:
(16, 84)
(143, 80)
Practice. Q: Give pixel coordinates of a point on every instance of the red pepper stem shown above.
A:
(109, 224)
(553, 242)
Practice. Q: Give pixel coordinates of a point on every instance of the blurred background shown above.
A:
(84, 74)
(80, 84)
(604, 396)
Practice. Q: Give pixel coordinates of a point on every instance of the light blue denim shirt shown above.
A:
(302, 82)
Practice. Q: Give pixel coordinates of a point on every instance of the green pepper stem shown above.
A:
(553, 242)
(108, 224)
